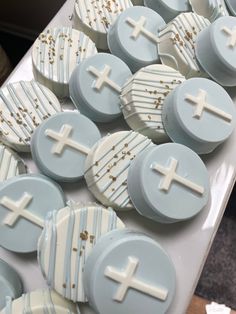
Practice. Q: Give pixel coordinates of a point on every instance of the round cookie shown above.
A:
(210, 9)
(143, 96)
(215, 50)
(161, 177)
(168, 9)
(231, 6)
(23, 107)
(24, 202)
(177, 43)
(61, 144)
(107, 166)
(94, 18)
(55, 54)
(10, 283)
(67, 240)
(40, 301)
(135, 274)
(95, 86)
(11, 164)
(199, 114)
(134, 36)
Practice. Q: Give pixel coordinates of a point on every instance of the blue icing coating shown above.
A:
(161, 177)
(199, 114)
(134, 36)
(24, 203)
(135, 272)
(95, 86)
(61, 144)
(168, 9)
(10, 283)
(216, 48)
(232, 6)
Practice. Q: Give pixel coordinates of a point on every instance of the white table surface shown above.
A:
(187, 243)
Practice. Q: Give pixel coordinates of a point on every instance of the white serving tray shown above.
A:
(187, 243)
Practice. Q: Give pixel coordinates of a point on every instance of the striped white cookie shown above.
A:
(94, 18)
(177, 43)
(23, 106)
(210, 9)
(55, 54)
(107, 166)
(67, 240)
(39, 301)
(11, 164)
(143, 96)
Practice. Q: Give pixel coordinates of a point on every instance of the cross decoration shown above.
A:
(139, 28)
(127, 280)
(19, 209)
(103, 78)
(232, 34)
(63, 139)
(201, 105)
(170, 176)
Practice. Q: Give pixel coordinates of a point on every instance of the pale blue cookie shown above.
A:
(168, 9)
(210, 9)
(199, 114)
(24, 203)
(61, 144)
(10, 283)
(134, 36)
(161, 177)
(232, 6)
(135, 274)
(95, 86)
(216, 50)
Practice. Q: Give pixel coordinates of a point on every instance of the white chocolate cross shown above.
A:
(202, 105)
(232, 34)
(127, 280)
(63, 140)
(171, 176)
(103, 78)
(140, 29)
(18, 209)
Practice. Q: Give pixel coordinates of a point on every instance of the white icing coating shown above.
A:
(11, 164)
(103, 78)
(139, 29)
(23, 106)
(67, 240)
(55, 54)
(63, 140)
(232, 36)
(19, 209)
(202, 105)
(210, 9)
(177, 43)
(107, 167)
(127, 280)
(170, 176)
(40, 301)
(94, 18)
(143, 96)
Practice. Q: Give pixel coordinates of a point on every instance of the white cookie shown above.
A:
(107, 166)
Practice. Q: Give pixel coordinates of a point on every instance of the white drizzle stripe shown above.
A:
(100, 15)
